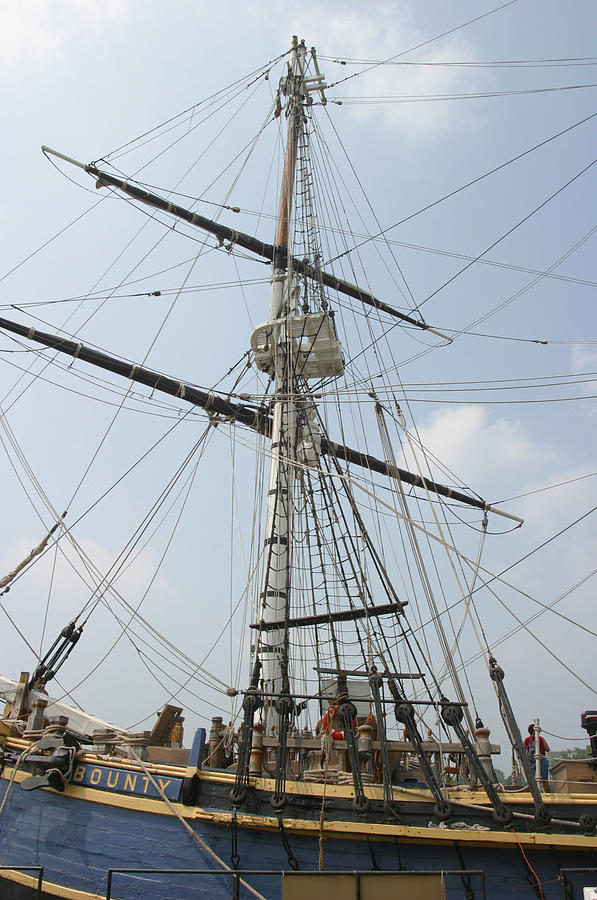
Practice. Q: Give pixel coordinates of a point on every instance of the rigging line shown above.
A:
(109, 293)
(576, 740)
(50, 586)
(377, 222)
(582, 240)
(505, 337)
(354, 234)
(468, 601)
(56, 517)
(510, 230)
(496, 381)
(448, 657)
(89, 565)
(546, 542)
(359, 395)
(502, 402)
(258, 73)
(114, 388)
(397, 490)
(183, 665)
(496, 309)
(154, 652)
(387, 585)
(489, 262)
(426, 42)
(548, 608)
(135, 610)
(440, 98)
(67, 693)
(53, 238)
(505, 63)
(544, 606)
(210, 144)
(453, 549)
(145, 659)
(468, 184)
(579, 377)
(541, 643)
(548, 488)
(120, 564)
(74, 311)
(191, 127)
(151, 346)
(249, 148)
(203, 244)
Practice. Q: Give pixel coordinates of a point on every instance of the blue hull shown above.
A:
(77, 841)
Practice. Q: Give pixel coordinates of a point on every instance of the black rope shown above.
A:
(285, 708)
(533, 882)
(452, 715)
(292, 860)
(542, 815)
(251, 703)
(405, 715)
(374, 865)
(567, 887)
(234, 857)
(401, 867)
(466, 879)
(376, 683)
(347, 712)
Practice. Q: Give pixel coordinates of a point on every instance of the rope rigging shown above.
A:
(338, 578)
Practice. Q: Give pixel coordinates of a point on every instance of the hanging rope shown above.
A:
(4, 582)
(197, 837)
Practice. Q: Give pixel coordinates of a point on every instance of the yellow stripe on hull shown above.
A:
(335, 828)
(49, 887)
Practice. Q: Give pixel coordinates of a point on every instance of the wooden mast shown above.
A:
(275, 585)
(295, 73)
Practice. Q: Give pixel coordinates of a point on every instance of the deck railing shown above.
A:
(240, 875)
(38, 869)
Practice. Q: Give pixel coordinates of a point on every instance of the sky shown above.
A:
(86, 78)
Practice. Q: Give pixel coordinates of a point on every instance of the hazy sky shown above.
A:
(87, 77)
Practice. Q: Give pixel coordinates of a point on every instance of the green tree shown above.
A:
(575, 753)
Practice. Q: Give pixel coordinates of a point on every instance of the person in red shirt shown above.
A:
(331, 723)
(529, 745)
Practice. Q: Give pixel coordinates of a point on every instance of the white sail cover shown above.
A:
(80, 723)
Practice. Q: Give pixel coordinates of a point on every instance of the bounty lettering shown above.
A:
(130, 780)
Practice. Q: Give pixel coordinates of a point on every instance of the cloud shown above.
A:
(584, 359)
(475, 447)
(38, 33)
(377, 32)
(69, 592)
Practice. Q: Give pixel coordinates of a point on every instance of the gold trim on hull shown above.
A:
(49, 887)
(340, 828)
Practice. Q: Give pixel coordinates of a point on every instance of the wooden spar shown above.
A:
(207, 400)
(345, 615)
(254, 417)
(247, 242)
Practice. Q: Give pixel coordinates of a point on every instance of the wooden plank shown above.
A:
(167, 719)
